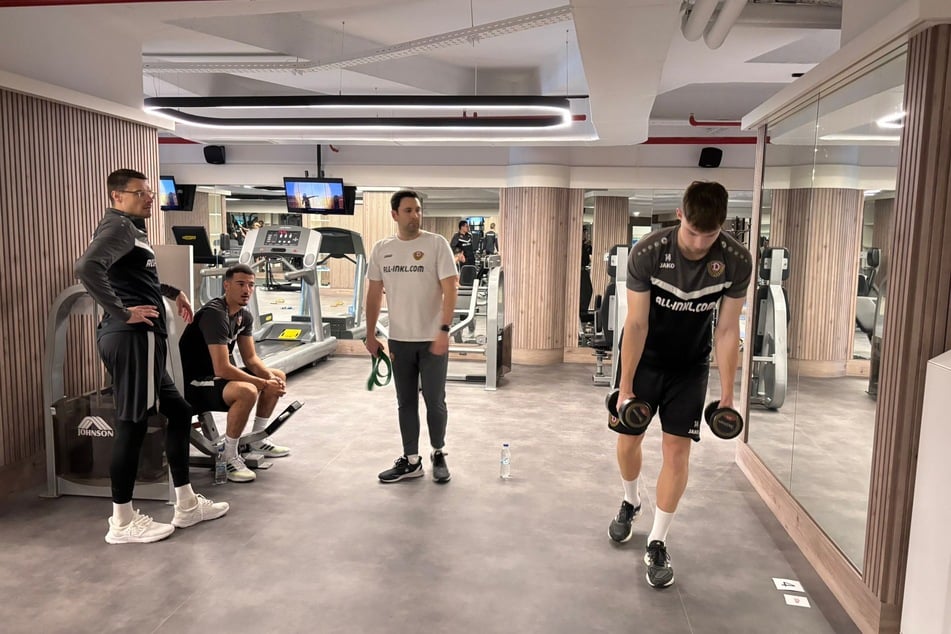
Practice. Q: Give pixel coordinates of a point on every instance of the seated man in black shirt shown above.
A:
(214, 383)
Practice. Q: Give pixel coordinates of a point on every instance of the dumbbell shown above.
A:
(724, 422)
(633, 413)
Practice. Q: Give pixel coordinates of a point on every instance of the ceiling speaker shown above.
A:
(709, 157)
(215, 154)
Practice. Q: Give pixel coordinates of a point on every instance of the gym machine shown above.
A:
(610, 314)
(80, 429)
(305, 339)
(770, 371)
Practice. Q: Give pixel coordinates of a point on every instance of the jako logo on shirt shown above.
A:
(418, 255)
(667, 264)
(94, 426)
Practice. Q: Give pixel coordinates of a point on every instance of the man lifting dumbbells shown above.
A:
(676, 277)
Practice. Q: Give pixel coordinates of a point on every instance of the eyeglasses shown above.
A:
(140, 193)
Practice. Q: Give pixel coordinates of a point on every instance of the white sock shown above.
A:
(662, 520)
(260, 422)
(185, 497)
(413, 458)
(122, 514)
(631, 496)
(231, 448)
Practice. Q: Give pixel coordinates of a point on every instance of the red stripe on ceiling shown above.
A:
(700, 140)
(175, 140)
(64, 3)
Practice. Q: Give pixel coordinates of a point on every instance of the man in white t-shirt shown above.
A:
(418, 271)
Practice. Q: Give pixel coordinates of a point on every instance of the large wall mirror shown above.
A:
(826, 224)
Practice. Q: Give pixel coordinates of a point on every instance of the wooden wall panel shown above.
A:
(575, 224)
(54, 160)
(918, 306)
(882, 232)
(535, 221)
(822, 230)
(443, 225)
(611, 218)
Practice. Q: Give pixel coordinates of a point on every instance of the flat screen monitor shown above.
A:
(168, 194)
(197, 239)
(315, 196)
(350, 198)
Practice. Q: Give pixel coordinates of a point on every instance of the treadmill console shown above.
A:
(281, 238)
(281, 241)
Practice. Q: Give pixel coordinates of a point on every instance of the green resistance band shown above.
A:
(377, 378)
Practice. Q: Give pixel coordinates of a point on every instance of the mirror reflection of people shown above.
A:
(587, 290)
(463, 240)
(118, 270)
(417, 271)
(677, 277)
(490, 241)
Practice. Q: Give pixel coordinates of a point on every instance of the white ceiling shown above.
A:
(628, 56)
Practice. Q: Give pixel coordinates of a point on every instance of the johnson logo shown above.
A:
(94, 426)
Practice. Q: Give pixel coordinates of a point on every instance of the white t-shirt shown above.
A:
(411, 271)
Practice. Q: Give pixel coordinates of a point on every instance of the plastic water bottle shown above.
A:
(505, 462)
(221, 466)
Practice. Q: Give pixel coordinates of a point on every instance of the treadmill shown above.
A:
(289, 345)
(348, 245)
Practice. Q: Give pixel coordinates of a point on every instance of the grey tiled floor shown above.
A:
(316, 544)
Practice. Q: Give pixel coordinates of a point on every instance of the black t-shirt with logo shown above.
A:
(212, 325)
(684, 294)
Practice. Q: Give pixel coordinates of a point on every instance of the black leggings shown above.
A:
(131, 434)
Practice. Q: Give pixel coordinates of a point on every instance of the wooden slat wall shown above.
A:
(822, 230)
(535, 221)
(882, 232)
(611, 218)
(575, 224)
(444, 226)
(918, 314)
(54, 160)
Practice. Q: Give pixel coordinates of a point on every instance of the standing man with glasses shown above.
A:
(119, 272)
(418, 271)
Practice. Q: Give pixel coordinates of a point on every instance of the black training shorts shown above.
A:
(206, 395)
(676, 394)
(135, 360)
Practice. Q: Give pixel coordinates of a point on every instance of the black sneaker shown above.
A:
(659, 572)
(440, 470)
(402, 469)
(622, 526)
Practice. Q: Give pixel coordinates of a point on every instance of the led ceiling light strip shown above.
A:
(521, 112)
(405, 49)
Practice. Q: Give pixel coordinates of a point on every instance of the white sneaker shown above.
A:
(141, 530)
(239, 472)
(205, 509)
(269, 449)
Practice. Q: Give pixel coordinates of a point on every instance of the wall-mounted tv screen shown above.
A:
(315, 196)
(168, 194)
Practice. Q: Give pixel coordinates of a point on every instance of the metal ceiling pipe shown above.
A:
(696, 21)
(720, 27)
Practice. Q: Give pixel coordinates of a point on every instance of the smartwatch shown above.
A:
(444, 327)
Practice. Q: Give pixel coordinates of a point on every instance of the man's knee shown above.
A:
(629, 442)
(279, 374)
(676, 450)
(240, 393)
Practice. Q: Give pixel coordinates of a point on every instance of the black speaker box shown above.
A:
(215, 154)
(709, 157)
